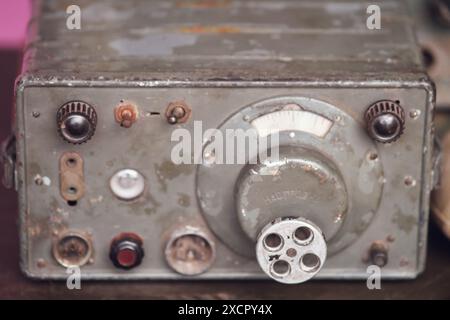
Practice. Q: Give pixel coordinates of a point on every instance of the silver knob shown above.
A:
(291, 250)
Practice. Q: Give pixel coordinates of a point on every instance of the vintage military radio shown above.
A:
(99, 110)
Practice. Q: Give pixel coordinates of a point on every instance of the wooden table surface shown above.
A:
(433, 284)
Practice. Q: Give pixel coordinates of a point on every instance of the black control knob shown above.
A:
(379, 253)
(385, 121)
(126, 251)
(76, 121)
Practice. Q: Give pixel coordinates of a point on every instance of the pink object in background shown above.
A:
(14, 15)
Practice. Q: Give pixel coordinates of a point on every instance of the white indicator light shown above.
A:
(127, 184)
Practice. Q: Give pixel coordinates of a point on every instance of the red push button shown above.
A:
(126, 251)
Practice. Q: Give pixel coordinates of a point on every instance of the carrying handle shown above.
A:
(8, 161)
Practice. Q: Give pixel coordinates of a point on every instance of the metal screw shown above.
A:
(172, 120)
(414, 114)
(379, 253)
(177, 112)
(38, 180)
(127, 118)
(41, 263)
(409, 181)
(126, 113)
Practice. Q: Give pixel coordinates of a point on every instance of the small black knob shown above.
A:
(385, 121)
(379, 253)
(76, 122)
(126, 251)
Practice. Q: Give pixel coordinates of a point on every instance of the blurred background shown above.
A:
(14, 15)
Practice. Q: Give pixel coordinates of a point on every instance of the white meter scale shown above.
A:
(291, 121)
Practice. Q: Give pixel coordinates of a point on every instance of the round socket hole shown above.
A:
(303, 236)
(309, 262)
(373, 156)
(291, 252)
(273, 242)
(72, 249)
(190, 254)
(71, 162)
(72, 190)
(280, 268)
(72, 203)
(409, 181)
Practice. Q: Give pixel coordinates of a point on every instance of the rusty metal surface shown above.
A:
(239, 40)
(433, 284)
(161, 207)
(98, 64)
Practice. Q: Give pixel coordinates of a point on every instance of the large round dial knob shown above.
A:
(76, 121)
(318, 178)
(301, 183)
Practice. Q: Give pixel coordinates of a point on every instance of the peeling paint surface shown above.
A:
(228, 60)
(152, 44)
